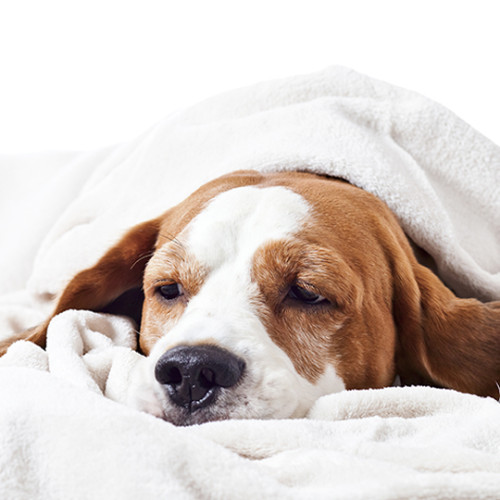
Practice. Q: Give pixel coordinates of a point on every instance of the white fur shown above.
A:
(224, 238)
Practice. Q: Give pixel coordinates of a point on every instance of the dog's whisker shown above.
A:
(148, 255)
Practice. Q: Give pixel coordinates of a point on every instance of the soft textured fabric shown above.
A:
(60, 437)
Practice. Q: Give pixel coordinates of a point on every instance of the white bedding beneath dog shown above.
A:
(60, 438)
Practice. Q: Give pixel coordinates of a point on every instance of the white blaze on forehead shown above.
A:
(239, 221)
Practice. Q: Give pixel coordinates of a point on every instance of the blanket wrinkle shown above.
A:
(91, 342)
(65, 428)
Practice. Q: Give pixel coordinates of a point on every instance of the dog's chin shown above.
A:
(229, 404)
(184, 418)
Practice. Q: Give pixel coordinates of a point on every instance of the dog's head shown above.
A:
(264, 292)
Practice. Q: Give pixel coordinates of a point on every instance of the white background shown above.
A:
(84, 74)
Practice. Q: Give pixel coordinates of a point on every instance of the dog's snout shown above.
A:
(192, 375)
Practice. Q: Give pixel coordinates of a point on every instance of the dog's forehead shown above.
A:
(237, 222)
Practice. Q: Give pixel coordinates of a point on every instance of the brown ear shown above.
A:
(444, 340)
(119, 270)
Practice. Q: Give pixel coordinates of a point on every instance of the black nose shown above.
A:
(192, 375)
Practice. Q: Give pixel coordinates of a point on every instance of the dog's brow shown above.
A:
(173, 240)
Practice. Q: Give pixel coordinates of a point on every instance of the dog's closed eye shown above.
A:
(305, 296)
(171, 291)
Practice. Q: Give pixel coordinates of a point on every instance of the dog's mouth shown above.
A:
(219, 404)
(184, 417)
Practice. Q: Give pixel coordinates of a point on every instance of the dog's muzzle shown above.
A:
(192, 376)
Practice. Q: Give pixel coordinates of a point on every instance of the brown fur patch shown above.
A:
(346, 265)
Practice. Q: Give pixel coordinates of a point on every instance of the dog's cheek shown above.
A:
(305, 339)
(272, 386)
(157, 320)
(363, 350)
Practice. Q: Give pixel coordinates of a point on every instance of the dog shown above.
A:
(263, 292)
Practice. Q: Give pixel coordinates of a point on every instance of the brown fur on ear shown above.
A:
(119, 270)
(444, 340)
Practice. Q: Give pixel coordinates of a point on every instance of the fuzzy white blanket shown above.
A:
(60, 438)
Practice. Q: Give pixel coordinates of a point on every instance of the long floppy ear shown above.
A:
(444, 340)
(119, 270)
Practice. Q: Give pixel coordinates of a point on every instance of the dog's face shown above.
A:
(265, 292)
(258, 275)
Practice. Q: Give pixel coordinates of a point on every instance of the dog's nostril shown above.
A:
(207, 378)
(171, 375)
(192, 375)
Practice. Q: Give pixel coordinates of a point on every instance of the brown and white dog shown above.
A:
(265, 291)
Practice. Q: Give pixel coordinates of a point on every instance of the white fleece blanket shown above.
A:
(60, 438)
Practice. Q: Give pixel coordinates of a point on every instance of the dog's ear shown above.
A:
(120, 269)
(444, 340)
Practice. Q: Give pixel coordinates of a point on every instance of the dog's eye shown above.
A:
(296, 292)
(170, 292)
